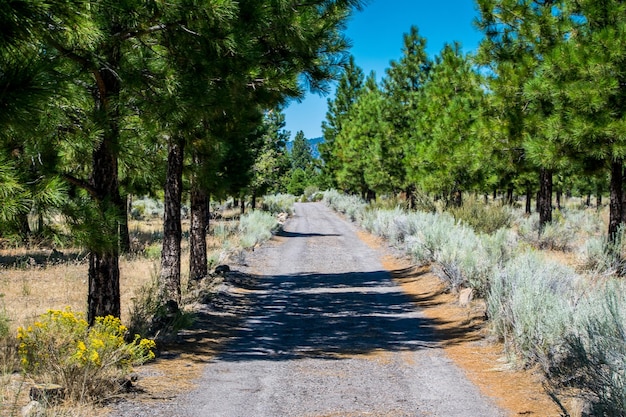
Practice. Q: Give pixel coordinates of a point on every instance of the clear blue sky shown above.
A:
(376, 35)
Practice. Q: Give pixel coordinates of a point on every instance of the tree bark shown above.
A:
(616, 204)
(124, 232)
(410, 196)
(198, 267)
(529, 194)
(545, 198)
(104, 274)
(253, 202)
(509, 196)
(172, 230)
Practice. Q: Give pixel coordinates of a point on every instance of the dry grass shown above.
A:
(33, 281)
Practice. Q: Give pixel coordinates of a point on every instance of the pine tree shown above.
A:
(446, 154)
(346, 95)
(584, 81)
(402, 85)
(518, 36)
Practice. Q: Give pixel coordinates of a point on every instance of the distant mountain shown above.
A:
(313, 143)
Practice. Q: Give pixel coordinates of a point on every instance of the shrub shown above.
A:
(600, 256)
(531, 304)
(256, 227)
(279, 203)
(460, 256)
(483, 218)
(4, 320)
(311, 192)
(350, 205)
(89, 362)
(593, 357)
(567, 230)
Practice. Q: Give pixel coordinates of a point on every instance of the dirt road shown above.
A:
(327, 333)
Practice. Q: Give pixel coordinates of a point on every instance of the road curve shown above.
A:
(328, 333)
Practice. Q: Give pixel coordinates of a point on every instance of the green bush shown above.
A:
(483, 218)
(278, 203)
(91, 363)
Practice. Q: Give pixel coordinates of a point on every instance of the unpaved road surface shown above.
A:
(326, 333)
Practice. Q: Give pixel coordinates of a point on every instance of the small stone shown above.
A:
(33, 409)
(466, 295)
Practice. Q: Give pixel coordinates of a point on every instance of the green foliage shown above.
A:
(481, 217)
(298, 181)
(89, 362)
(279, 203)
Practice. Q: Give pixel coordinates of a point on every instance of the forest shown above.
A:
(102, 100)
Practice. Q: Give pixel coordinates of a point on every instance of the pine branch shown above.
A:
(81, 184)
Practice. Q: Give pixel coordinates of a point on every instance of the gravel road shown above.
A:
(326, 333)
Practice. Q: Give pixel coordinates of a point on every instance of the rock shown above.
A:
(33, 409)
(466, 295)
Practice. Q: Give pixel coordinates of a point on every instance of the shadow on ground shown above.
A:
(316, 315)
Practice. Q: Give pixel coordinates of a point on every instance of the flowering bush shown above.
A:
(91, 363)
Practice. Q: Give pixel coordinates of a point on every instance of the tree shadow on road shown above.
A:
(316, 315)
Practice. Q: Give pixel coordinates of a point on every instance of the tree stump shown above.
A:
(47, 393)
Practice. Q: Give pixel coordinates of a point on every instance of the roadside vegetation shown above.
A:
(555, 300)
(45, 339)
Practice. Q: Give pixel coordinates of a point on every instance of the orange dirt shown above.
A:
(466, 342)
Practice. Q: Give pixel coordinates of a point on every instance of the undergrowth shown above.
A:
(571, 322)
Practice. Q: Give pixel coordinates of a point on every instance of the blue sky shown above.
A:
(376, 35)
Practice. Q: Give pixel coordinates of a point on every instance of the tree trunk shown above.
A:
(456, 198)
(172, 229)
(545, 198)
(509, 196)
(559, 194)
(104, 285)
(253, 203)
(198, 267)
(529, 194)
(410, 196)
(242, 205)
(24, 228)
(104, 274)
(124, 232)
(588, 202)
(616, 204)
